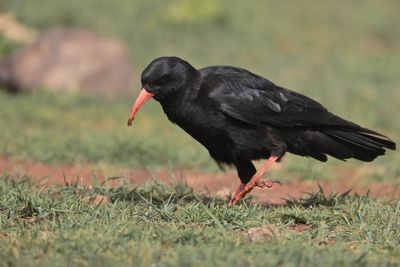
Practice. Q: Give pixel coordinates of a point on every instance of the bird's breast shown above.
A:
(201, 124)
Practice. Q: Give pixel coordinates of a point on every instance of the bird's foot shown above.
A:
(237, 196)
(234, 200)
(130, 121)
(268, 183)
(243, 189)
(255, 181)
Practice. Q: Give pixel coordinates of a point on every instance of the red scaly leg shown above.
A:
(255, 181)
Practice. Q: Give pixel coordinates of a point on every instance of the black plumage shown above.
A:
(240, 116)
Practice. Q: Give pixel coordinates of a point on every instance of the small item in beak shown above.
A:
(140, 100)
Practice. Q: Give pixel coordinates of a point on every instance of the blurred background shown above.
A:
(70, 70)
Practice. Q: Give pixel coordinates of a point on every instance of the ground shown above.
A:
(220, 184)
(158, 224)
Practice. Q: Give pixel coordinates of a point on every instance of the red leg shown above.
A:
(254, 181)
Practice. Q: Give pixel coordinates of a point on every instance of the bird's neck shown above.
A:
(174, 106)
(178, 106)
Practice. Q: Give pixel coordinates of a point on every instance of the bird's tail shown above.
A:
(360, 143)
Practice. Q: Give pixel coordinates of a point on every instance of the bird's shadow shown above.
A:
(314, 199)
(157, 192)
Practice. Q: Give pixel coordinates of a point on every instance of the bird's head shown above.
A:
(164, 78)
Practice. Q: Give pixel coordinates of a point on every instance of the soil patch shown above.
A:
(220, 183)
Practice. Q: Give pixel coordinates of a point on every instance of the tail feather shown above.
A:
(327, 134)
(364, 144)
(382, 140)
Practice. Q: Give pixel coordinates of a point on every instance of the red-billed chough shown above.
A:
(240, 116)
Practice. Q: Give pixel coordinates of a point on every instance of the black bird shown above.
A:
(240, 116)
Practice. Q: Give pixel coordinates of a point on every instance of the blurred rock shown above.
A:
(69, 60)
(265, 232)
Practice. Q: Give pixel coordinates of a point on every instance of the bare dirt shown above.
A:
(220, 184)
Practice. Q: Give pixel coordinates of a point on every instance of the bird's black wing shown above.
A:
(255, 100)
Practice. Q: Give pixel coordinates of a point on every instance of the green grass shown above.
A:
(6, 46)
(171, 226)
